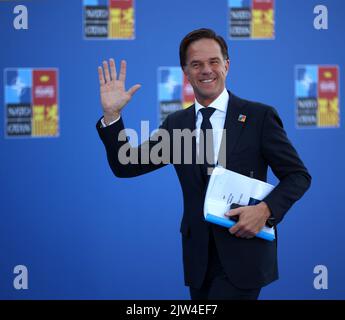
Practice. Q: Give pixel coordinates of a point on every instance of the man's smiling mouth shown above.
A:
(207, 80)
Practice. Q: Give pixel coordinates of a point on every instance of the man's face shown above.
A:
(206, 70)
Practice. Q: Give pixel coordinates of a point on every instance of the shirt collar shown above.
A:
(221, 103)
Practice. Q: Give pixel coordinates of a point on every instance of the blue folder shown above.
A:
(224, 222)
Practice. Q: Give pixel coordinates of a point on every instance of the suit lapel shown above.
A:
(189, 123)
(232, 125)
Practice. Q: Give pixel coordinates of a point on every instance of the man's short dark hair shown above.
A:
(197, 35)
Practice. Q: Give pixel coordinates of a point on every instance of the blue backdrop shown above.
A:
(84, 234)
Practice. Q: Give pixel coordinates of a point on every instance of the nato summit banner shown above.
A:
(109, 19)
(317, 96)
(251, 19)
(31, 102)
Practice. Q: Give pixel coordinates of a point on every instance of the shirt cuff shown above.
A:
(104, 124)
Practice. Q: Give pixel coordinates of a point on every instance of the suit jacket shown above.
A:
(251, 147)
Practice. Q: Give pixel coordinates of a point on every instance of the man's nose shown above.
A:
(206, 69)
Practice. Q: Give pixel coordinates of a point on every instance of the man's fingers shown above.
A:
(106, 71)
(123, 71)
(113, 73)
(101, 76)
(241, 232)
(134, 89)
(234, 228)
(248, 235)
(233, 212)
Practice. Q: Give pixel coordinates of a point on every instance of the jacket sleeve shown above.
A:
(126, 161)
(281, 156)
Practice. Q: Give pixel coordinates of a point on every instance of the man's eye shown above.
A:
(214, 62)
(195, 65)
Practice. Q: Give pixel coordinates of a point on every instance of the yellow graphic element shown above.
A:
(187, 104)
(262, 23)
(44, 78)
(121, 24)
(327, 74)
(328, 112)
(45, 121)
(38, 113)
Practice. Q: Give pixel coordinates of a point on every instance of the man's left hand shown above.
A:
(251, 220)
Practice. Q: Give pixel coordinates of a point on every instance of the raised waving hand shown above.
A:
(112, 88)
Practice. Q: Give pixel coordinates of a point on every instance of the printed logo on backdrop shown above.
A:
(251, 19)
(109, 19)
(174, 91)
(31, 103)
(317, 96)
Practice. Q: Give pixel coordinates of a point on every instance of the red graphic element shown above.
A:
(121, 4)
(44, 87)
(263, 4)
(328, 86)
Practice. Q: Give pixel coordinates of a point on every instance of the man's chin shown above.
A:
(209, 94)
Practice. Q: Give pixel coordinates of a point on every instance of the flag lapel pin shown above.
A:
(242, 118)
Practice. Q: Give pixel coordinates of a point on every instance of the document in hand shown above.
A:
(227, 187)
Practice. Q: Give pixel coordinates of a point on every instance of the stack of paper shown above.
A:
(227, 187)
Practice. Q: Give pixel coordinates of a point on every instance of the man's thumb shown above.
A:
(134, 89)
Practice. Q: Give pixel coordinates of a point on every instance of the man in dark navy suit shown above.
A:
(218, 263)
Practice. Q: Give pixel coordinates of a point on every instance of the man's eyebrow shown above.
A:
(198, 61)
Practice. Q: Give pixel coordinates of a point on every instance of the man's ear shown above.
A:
(227, 64)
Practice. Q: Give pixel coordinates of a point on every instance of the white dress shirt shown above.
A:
(217, 120)
(104, 125)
